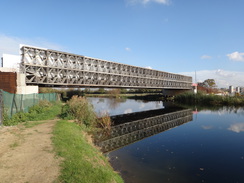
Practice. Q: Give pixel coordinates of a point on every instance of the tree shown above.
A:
(207, 86)
(209, 83)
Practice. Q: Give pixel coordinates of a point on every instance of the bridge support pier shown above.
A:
(173, 92)
(22, 88)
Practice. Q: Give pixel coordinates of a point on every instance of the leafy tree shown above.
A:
(209, 83)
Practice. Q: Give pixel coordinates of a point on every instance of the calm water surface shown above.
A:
(207, 147)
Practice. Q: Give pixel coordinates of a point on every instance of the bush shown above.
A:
(16, 118)
(105, 123)
(80, 109)
(42, 111)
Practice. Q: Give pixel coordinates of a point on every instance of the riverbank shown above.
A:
(83, 162)
(80, 160)
(26, 153)
(136, 96)
(209, 100)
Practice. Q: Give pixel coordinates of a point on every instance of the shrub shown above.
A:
(16, 118)
(105, 123)
(80, 109)
(42, 111)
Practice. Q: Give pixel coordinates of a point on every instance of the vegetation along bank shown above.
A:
(72, 138)
(209, 99)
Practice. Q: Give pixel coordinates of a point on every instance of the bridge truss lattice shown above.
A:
(50, 67)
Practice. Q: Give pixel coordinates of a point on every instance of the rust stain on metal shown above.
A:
(8, 81)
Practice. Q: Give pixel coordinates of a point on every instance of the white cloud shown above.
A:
(206, 57)
(222, 78)
(10, 44)
(127, 49)
(132, 2)
(161, 1)
(128, 111)
(238, 127)
(236, 56)
(148, 67)
(142, 105)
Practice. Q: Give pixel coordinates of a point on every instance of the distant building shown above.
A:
(242, 90)
(238, 89)
(10, 61)
(231, 89)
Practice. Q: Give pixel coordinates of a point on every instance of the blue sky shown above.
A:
(168, 35)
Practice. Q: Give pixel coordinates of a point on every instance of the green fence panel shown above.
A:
(14, 103)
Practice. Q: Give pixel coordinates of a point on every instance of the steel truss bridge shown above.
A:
(45, 67)
(141, 125)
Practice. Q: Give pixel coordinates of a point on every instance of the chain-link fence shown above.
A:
(13, 103)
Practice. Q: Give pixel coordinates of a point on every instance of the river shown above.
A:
(157, 142)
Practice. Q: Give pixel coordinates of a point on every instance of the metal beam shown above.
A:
(50, 67)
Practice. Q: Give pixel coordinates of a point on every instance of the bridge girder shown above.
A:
(50, 67)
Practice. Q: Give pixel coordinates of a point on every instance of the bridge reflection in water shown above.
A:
(133, 127)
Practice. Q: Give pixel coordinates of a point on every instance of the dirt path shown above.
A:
(26, 154)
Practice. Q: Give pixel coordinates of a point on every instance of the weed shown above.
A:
(15, 144)
(105, 123)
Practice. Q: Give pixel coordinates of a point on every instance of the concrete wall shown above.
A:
(21, 86)
(27, 89)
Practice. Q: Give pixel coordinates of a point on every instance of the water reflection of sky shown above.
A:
(237, 127)
(207, 149)
(114, 106)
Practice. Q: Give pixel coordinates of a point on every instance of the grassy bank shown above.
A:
(43, 111)
(203, 99)
(82, 161)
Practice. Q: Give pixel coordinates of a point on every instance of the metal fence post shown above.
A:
(1, 107)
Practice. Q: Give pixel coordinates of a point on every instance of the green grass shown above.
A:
(15, 144)
(43, 111)
(82, 161)
(30, 124)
